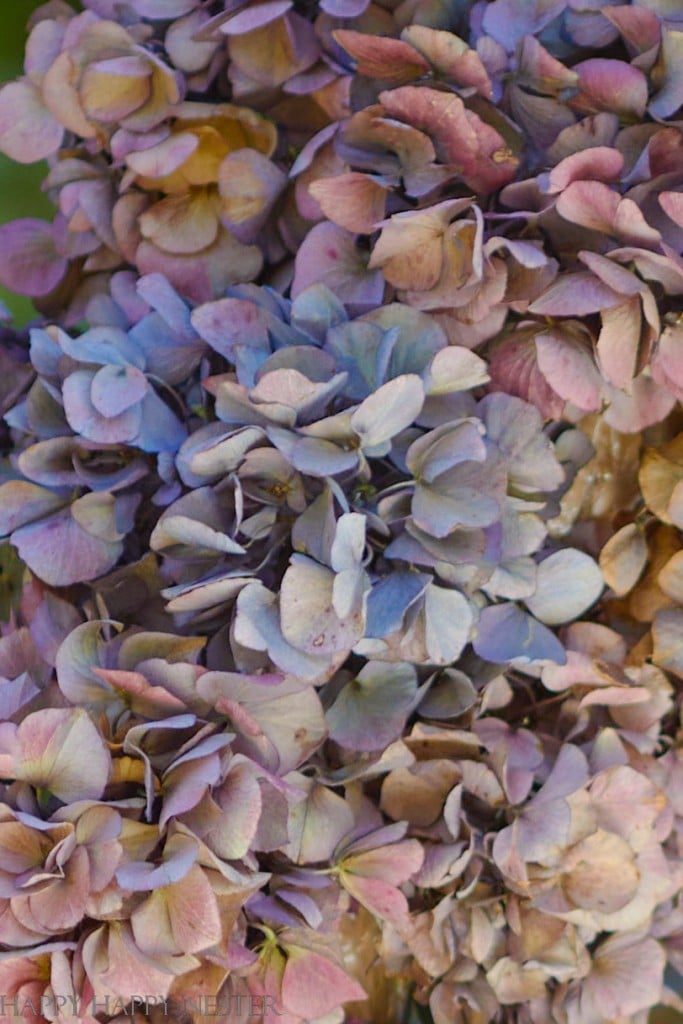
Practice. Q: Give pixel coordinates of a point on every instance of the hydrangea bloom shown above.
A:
(341, 506)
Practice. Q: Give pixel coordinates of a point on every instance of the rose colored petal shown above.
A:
(611, 85)
(113, 964)
(667, 362)
(460, 137)
(647, 403)
(143, 697)
(390, 60)
(410, 248)
(638, 26)
(228, 822)
(515, 369)
(600, 163)
(594, 205)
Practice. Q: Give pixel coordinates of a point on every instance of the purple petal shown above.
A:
(30, 262)
(60, 552)
(116, 388)
(504, 632)
(328, 255)
(28, 131)
(85, 419)
(507, 21)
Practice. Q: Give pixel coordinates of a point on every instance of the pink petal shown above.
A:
(570, 368)
(611, 85)
(354, 201)
(394, 864)
(379, 897)
(61, 905)
(313, 986)
(575, 295)
(672, 204)
(619, 342)
(600, 163)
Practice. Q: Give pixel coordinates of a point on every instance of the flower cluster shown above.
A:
(341, 668)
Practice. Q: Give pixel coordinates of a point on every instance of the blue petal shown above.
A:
(390, 599)
(505, 632)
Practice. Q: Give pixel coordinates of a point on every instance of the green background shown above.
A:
(20, 194)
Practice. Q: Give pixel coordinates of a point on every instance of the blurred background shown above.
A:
(20, 194)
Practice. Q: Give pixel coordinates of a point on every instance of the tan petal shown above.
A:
(62, 99)
(178, 918)
(182, 224)
(605, 877)
(111, 89)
